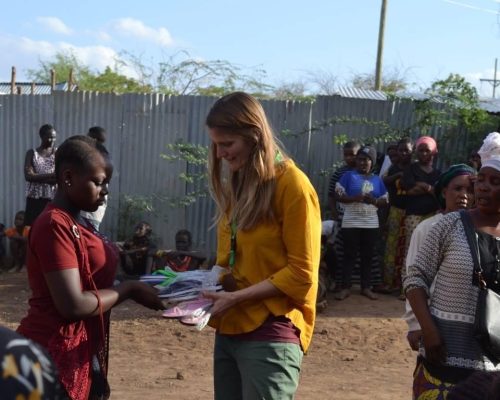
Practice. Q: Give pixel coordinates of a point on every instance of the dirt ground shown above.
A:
(359, 350)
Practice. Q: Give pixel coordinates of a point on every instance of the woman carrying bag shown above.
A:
(449, 350)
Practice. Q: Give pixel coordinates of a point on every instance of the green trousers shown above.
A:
(253, 370)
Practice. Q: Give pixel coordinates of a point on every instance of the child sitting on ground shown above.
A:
(137, 251)
(182, 258)
(18, 239)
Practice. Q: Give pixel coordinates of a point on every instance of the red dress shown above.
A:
(57, 242)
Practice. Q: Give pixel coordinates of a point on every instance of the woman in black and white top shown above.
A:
(449, 353)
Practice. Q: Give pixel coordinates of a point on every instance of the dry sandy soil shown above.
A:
(359, 350)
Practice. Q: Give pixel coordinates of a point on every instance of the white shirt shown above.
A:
(417, 238)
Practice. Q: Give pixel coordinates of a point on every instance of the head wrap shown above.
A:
(370, 152)
(429, 141)
(446, 177)
(490, 151)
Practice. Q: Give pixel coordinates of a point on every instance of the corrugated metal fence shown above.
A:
(139, 128)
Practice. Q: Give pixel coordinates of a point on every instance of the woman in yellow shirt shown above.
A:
(269, 234)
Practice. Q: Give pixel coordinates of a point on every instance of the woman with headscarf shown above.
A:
(448, 351)
(418, 183)
(454, 191)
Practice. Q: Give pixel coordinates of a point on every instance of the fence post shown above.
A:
(13, 81)
(52, 80)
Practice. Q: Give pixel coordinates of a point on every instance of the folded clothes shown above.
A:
(181, 294)
(180, 286)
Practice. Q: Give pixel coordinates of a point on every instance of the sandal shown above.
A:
(343, 294)
(188, 308)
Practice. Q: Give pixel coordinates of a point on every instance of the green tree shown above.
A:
(113, 82)
(453, 105)
(454, 88)
(461, 103)
(110, 80)
(62, 63)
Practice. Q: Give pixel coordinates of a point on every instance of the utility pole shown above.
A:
(494, 82)
(380, 47)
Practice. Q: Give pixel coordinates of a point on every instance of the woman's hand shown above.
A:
(425, 187)
(145, 295)
(225, 300)
(222, 301)
(414, 338)
(435, 349)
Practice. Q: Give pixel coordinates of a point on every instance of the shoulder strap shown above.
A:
(470, 234)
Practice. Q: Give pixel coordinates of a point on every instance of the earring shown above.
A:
(68, 183)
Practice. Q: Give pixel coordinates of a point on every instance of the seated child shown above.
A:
(18, 240)
(135, 252)
(182, 258)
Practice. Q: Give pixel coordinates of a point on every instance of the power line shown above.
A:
(486, 10)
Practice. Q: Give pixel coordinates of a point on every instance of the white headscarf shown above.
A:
(490, 151)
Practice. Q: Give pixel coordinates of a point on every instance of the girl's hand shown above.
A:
(369, 199)
(222, 301)
(145, 295)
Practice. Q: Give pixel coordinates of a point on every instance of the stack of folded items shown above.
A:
(183, 291)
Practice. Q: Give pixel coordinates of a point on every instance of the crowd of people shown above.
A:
(399, 226)
(427, 257)
(375, 207)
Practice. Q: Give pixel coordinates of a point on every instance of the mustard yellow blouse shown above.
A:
(287, 252)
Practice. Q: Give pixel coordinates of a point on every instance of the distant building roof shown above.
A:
(351, 92)
(40, 88)
(490, 105)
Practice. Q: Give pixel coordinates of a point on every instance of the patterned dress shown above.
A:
(446, 257)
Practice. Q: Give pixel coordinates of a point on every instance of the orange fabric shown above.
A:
(10, 232)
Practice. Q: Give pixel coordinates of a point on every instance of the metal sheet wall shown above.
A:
(20, 120)
(140, 126)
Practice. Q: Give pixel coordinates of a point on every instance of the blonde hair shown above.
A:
(244, 196)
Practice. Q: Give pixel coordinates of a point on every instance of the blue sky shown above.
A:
(425, 39)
